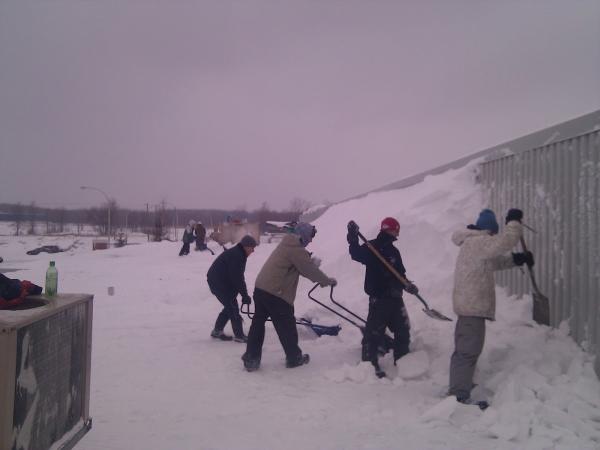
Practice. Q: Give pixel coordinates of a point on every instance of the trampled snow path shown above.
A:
(160, 382)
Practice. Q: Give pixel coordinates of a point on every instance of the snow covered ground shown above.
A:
(160, 382)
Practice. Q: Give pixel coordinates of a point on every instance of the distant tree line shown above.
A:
(33, 219)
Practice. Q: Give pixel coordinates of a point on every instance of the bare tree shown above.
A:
(159, 231)
(32, 218)
(263, 214)
(299, 205)
(17, 211)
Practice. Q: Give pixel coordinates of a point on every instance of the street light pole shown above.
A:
(91, 188)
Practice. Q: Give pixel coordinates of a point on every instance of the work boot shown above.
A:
(243, 338)
(300, 360)
(219, 334)
(378, 371)
(482, 404)
(250, 364)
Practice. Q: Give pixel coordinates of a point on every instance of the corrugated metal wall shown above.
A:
(558, 188)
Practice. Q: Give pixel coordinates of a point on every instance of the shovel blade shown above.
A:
(541, 308)
(436, 315)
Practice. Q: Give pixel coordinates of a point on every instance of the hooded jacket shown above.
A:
(188, 235)
(226, 274)
(280, 274)
(480, 255)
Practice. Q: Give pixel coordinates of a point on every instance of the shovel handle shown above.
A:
(391, 268)
(529, 268)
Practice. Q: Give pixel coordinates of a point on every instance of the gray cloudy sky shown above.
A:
(232, 103)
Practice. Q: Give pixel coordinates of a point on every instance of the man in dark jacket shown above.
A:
(386, 306)
(188, 238)
(226, 280)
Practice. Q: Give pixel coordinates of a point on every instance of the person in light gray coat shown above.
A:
(482, 252)
(275, 292)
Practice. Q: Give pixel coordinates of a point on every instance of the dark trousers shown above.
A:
(282, 315)
(185, 249)
(387, 312)
(230, 311)
(469, 337)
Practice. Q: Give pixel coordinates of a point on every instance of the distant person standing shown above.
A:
(200, 236)
(275, 292)
(482, 252)
(188, 238)
(226, 280)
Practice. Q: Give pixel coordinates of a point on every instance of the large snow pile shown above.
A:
(160, 382)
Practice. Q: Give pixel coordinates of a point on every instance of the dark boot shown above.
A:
(378, 371)
(250, 364)
(482, 404)
(218, 334)
(243, 339)
(299, 361)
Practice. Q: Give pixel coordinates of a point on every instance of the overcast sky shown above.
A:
(232, 103)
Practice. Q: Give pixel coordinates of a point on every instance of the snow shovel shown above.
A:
(427, 310)
(319, 330)
(388, 341)
(541, 304)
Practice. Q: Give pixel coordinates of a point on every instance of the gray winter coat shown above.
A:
(480, 255)
(280, 274)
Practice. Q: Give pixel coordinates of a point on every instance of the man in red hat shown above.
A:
(386, 306)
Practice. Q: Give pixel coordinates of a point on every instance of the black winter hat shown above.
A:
(248, 241)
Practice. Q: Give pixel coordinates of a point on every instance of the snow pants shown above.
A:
(387, 312)
(185, 249)
(469, 337)
(282, 315)
(230, 311)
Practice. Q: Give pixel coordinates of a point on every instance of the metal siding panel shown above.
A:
(578, 241)
(558, 188)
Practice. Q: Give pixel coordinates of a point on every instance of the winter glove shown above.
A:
(514, 214)
(411, 288)
(352, 236)
(330, 282)
(246, 300)
(523, 258)
(316, 261)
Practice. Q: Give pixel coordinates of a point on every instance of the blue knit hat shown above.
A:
(487, 221)
(306, 231)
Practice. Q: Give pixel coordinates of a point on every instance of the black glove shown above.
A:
(246, 300)
(353, 228)
(411, 288)
(514, 214)
(352, 236)
(523, 258)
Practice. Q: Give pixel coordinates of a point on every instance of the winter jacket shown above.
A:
(188, 235)
(226, 274)
(13, 291)
(480, 255)
(200, 232)
(379, 280)
(280, 274)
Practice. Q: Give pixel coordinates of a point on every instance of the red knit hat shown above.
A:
(389, 223)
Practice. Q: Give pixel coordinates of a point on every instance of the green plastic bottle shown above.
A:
(51, 280)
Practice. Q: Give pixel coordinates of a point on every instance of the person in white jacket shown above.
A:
(482, 252)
